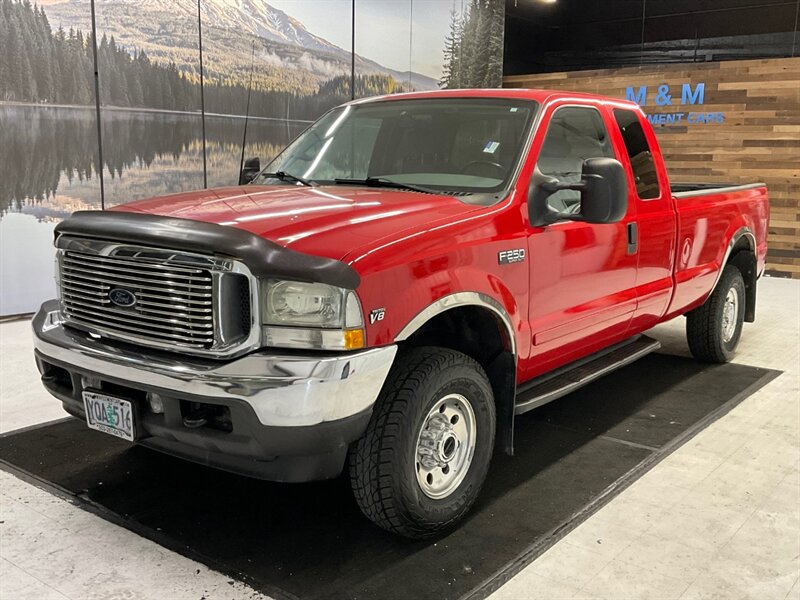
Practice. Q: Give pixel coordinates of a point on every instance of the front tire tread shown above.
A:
(372, 464)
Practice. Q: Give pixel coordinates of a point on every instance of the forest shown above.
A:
(473, 52)
(39, 66)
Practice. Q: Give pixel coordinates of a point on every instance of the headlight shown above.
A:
(296, 303)
(311, 315)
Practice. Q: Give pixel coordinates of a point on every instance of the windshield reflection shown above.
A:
(449, 145)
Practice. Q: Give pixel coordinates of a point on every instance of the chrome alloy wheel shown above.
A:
(445, 446)
(730, 314)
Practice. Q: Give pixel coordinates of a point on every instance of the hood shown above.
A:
(328, 221)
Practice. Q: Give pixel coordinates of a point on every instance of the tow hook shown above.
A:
(198, 417)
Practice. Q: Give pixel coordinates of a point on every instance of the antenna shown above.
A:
(247, 109)
(202, 93)
(97, 112)
(353, 51)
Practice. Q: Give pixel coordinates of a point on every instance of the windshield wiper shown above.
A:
(385, 183)
(284, 176)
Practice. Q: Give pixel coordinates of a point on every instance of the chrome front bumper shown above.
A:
(284, 390)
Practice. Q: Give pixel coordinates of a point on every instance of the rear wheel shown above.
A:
(422, 461)
(713, 329)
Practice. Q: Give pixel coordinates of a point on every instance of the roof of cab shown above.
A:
(541, 96)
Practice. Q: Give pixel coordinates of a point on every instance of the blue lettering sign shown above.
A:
(663, 96)
(640, 96)
(689, 95)
(673, 118)
(693, 97)
(705, 118)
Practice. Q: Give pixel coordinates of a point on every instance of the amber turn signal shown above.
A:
(353, 339)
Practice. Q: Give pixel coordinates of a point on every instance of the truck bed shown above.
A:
(709, 218)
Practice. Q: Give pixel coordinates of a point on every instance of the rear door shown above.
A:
(655, 225)
(583, 276)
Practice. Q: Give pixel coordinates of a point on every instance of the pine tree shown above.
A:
(43, 75)
(450, 76)
(15, 71)
(4, 65)
(473, 50)
(480, 73)
(470, 44)
(135, 87)
(27, 82)
(495, 45)
(40, 47)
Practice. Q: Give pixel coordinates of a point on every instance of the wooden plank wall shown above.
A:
(759, 139)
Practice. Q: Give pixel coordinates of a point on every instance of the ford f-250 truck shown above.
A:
(406, 277)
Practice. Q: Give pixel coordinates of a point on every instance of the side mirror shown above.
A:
(604, 194)
(252, 167)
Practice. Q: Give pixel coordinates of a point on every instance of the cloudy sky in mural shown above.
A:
(382, 28)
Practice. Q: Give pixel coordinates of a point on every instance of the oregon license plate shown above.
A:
(109, 414)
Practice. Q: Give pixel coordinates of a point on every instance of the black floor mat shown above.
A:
(310, 540)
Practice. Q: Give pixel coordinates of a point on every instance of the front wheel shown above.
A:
(714, 328)
(421, 463)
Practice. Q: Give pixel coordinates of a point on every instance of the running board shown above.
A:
(568, 379)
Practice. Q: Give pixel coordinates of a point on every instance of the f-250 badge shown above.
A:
(377, 315)
(506, 257)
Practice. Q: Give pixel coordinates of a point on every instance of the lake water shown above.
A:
(48, 170)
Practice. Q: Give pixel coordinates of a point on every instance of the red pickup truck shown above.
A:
(407, 276)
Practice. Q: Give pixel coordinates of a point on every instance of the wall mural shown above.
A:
(293, 56)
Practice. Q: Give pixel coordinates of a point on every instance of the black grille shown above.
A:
(244, 303)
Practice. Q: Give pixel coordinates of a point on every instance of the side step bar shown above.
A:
(573, 376)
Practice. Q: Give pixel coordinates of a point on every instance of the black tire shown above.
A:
(384, 462)
(705, 325)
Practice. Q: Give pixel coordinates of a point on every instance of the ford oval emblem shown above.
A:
(122, 297)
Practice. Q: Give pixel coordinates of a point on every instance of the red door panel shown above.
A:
(655, 215)
(583, 280)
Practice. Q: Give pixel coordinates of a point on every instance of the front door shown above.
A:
(583, 276)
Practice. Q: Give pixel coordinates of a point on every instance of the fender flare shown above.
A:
(748, 268)
(502, 372)
(457, 299)
(742, 232)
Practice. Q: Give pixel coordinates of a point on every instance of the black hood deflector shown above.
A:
(263, 257)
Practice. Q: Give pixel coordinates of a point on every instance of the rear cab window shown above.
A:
(641, 158)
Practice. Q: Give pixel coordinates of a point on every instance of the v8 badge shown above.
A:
(377, 315)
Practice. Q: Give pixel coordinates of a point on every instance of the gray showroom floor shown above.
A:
(719, 518)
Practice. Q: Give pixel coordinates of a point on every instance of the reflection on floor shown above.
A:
(311, 541)
(719, 517)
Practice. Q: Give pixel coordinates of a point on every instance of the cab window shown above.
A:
(575, 133)
(641, 159)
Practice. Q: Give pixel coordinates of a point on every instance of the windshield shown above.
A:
(450, 145)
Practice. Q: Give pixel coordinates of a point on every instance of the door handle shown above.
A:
(633, 237)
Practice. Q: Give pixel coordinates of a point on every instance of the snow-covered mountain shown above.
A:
(250, 16)
(167, 30)
(259, 18)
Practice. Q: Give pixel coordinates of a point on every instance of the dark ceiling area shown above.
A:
(570, 35)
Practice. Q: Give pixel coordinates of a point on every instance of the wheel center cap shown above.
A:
(438, 443)
(447, 446)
